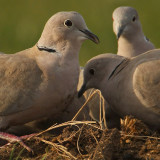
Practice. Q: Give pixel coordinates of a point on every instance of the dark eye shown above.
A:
(68, 23)
(134, 18)
(91, 71)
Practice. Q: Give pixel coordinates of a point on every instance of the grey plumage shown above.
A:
(130, 85)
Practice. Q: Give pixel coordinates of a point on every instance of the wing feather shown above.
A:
(146, 83)
(20, 77)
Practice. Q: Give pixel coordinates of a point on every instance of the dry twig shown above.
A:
(58, 147)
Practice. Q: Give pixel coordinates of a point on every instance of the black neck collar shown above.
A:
(43, 48)
(119, 67)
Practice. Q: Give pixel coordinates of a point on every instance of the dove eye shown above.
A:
(68, 23)
(134, 18)
(92, 71)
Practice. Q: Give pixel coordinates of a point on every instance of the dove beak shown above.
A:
(90, 36)
(120, 31)
(82, 90)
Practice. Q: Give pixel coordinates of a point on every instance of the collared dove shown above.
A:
(130, 85)
(127, 28)
(41, 81)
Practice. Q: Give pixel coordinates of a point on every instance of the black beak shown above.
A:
(91, 36)
(120, 31)
(82, 90)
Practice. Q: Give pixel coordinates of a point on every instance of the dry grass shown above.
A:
(87, 140)
(102, 118)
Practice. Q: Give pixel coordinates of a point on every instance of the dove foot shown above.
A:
(12, 139)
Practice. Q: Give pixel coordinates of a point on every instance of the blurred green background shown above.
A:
(22, 21)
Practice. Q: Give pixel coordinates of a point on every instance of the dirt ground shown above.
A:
(87, 141)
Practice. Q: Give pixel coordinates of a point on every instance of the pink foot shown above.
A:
(12, 138)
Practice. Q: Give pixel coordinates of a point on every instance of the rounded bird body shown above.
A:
(130, 86)
(41, 81)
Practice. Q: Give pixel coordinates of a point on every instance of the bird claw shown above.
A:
(12, 138)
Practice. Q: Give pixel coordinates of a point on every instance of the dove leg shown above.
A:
(4, 125)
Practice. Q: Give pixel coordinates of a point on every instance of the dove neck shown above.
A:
(63, 48)
(114, 65)
(132, 45)
(69, 50)
(43, 48)
(112, 71)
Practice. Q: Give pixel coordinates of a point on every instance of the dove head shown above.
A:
(126, 22)
(98, 70)
(65, 27)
